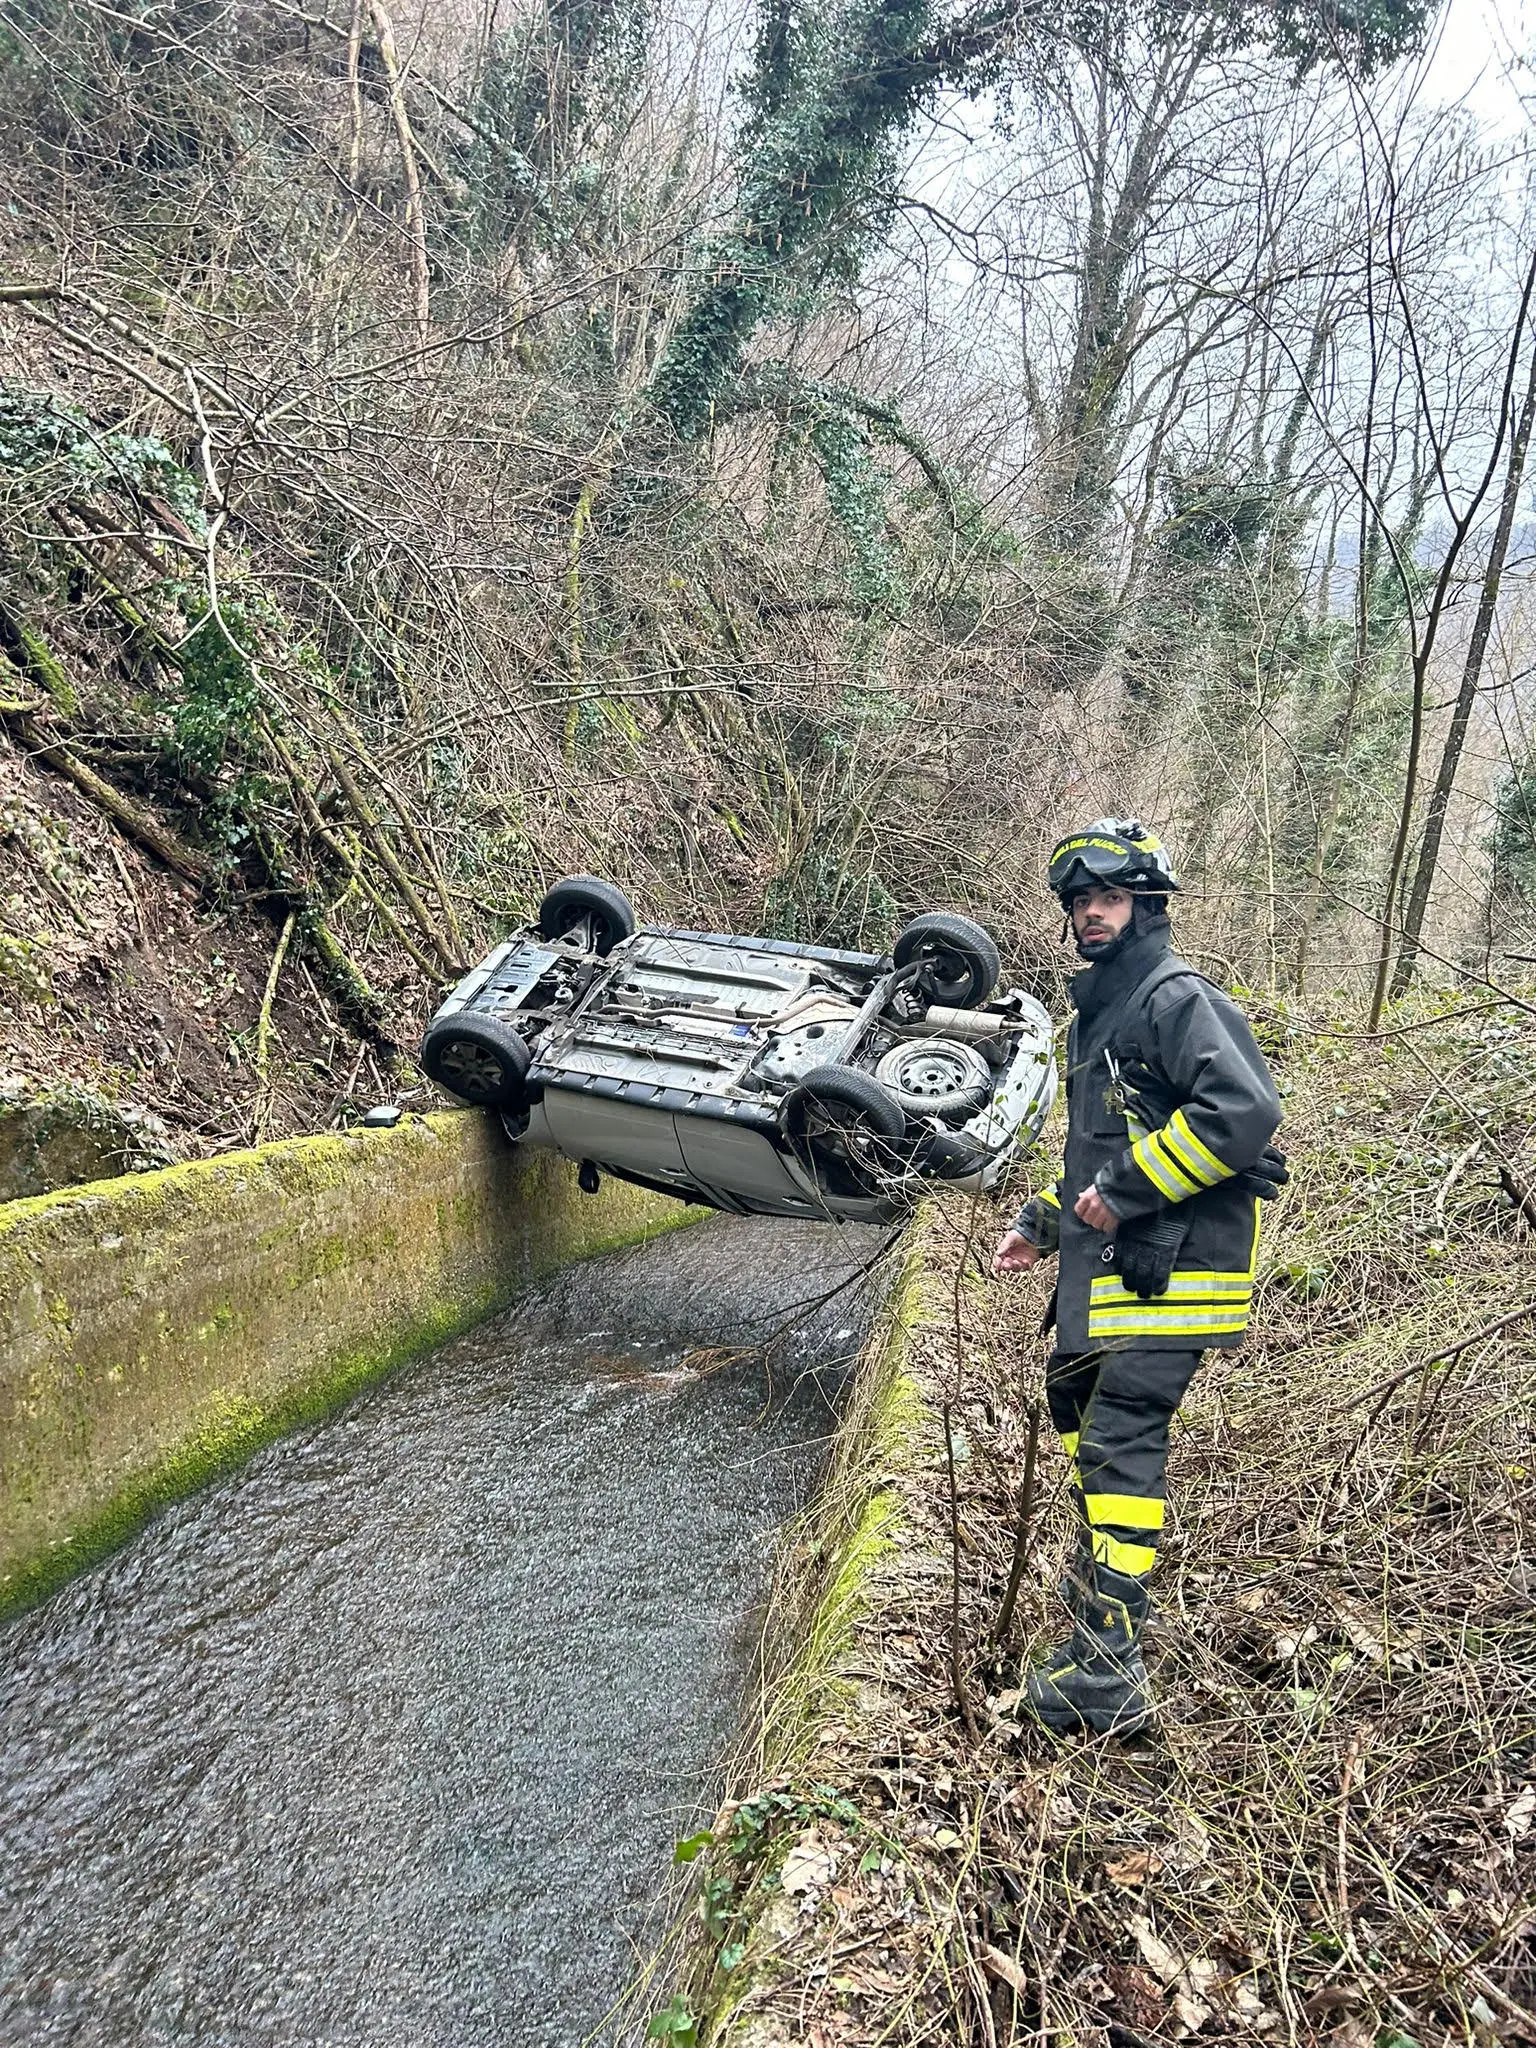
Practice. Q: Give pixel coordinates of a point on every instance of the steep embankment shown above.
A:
(1331, 1836)
(360, 573)
(136, 1022)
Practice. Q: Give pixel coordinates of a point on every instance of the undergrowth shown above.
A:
(1331, 1835)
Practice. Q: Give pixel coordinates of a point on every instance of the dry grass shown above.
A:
(1332, 1835)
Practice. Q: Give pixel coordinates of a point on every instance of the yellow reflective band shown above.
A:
(1134, 1559)
(1050, 1198)
(1180, 1143)
(1158, 1141)
(1125, 1510)
(1183, 1285)
(1168, 1311)
(1153, 1315)
(1180, 1124)
(1168, 1182)
(1070, 1439)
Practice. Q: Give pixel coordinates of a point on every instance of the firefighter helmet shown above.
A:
(1111, 853)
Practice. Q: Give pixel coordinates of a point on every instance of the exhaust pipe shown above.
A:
(974, 1025)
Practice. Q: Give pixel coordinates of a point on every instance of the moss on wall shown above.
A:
(157, 1329)
(52, 1137)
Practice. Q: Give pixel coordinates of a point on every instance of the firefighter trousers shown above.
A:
(1113, 1411)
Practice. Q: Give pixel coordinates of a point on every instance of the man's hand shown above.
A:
(1092, 1209)
(1014, 1254)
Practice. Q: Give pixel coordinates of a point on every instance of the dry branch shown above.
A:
(137, 823)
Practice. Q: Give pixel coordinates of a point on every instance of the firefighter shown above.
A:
(1170, 1113)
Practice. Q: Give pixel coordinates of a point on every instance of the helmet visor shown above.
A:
(1089, 857)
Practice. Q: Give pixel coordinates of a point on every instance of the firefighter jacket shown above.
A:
(1168, 1099)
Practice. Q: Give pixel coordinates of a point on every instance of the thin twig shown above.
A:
(1396, 1379)
(956, 1650)
(1021, 1532)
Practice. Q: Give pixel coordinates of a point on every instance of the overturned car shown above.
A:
(755, 1075)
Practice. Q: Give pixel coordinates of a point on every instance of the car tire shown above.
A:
(579, 896)
(846, 1127)
(951, 1155)
(479, 1059)
(959, 960)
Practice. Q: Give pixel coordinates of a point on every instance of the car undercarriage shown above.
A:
(754, 1074)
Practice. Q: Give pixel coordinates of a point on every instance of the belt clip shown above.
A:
(1107, 1256)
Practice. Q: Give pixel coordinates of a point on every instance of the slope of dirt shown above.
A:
(122, 985)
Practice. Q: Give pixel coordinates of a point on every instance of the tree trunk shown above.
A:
(1466, 696)
(415, 212)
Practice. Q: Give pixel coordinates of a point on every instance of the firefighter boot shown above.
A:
(1096, 1680)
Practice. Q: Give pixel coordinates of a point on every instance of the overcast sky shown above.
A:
(1476, 45)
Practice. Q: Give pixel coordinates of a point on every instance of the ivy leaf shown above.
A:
(676, 2023)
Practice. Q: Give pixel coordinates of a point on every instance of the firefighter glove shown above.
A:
(1145, 1248)
(1268, 1174)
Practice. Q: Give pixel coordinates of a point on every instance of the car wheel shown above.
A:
(959, 961)
(845, 1127)
(951, 1155)
(608, 911)
(936, 1077)
(479, 1059)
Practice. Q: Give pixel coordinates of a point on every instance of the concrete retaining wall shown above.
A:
(158, 1328)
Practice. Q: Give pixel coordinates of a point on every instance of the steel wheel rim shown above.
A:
(939, 1072)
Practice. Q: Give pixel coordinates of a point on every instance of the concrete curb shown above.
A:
(159, 1328)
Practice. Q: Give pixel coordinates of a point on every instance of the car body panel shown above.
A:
(668, 1062)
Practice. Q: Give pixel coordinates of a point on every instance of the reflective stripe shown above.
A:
(1188, 1323)
(1165, 1172)
(1180, 1149)
(1182, 1284)
(1134, 1559)
(1196, 1305)
(1171, 1311)
(1159, 1142)
(1187, 1130)
(1155, 1171)
(1050, 1198)
(1125, 1510)
(1202, 1161)
(1177, 1161)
